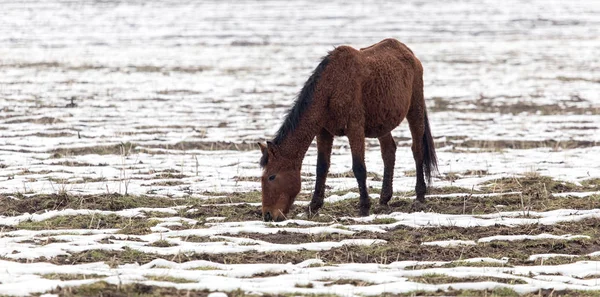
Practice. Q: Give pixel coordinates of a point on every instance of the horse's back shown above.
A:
(390, 51)
(387, 89)
(387, 43)
(381, 76)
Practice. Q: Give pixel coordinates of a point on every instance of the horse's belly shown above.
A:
(382, 116)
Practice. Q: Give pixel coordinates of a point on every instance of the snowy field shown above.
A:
(129, 165)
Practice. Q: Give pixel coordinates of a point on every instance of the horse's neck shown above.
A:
(296, 143)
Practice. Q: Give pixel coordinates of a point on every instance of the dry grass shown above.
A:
(403, 243)
(436, 279)
(491, 105)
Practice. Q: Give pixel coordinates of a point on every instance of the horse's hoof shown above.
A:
(312, 210)
(418, 206)
(364, 212)
(384, 199)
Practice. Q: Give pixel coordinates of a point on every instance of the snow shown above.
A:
(510, 218)
(532, 237)
(163, 74)
(446, 243)
(391, 278)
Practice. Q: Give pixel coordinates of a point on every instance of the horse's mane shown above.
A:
(301, 103)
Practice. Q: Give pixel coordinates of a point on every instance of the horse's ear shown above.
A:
(271, 147)
(265, 155)
(263, 148)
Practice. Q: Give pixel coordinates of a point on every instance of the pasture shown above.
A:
(129, 164)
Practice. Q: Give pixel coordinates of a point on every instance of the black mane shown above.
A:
(301, 103)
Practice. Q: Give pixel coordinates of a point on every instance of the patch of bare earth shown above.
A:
(402, 243)
(514, 106)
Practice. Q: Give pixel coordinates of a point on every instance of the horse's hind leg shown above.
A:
(388, 154)
(356, 137)
(324, 143)
(416, 123)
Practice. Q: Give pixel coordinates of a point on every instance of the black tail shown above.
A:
(429, 156)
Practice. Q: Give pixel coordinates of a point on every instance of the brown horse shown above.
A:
(359, 94)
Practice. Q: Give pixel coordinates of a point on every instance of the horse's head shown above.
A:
(280, 182)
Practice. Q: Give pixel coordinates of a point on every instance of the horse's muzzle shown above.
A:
(267, 217)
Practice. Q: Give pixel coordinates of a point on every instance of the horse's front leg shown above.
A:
(324, 144)
(356, 137)
(388, 154)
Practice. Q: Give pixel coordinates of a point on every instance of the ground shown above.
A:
(129, 165)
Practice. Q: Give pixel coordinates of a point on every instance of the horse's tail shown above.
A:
(429, 156)
(427, 145)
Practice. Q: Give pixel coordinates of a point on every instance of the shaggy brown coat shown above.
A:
(356, 93)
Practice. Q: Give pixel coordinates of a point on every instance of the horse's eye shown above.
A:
(272, 177)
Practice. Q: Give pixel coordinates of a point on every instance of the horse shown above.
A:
(354, 93)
